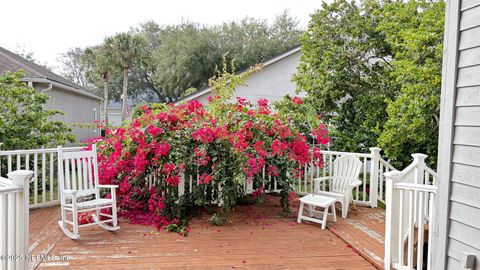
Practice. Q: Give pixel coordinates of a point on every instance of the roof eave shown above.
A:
(63, 86)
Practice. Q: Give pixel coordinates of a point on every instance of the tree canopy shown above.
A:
(373, 70)
(181, 58)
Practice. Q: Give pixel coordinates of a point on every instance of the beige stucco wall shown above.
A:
(77, 109)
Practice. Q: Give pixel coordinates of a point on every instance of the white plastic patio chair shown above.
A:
(345, 177)
(80, 192)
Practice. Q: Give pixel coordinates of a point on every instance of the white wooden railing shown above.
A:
(44, 187)
(14, 220)
(410, 196)
(43, 162)
(372, 176)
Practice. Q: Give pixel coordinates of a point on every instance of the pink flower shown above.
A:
(205, 179)
(321, 134)
(153, 130)
(272, 170)
(173, 180)
(297, 101)
(262, 102)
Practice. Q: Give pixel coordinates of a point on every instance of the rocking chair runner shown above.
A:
(346, 171)
(80, 192)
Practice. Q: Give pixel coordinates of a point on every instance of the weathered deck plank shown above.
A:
(364, 230)
(257, 238)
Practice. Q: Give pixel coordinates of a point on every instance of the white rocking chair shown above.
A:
(345, 177)
(80, 192)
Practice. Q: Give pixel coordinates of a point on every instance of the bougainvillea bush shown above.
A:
(221, 154)
(222, 147)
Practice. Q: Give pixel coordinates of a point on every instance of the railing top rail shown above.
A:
(417, 187)
(346, 153)
(386, 164)
(403, 172)
(431, 172)
(37, 151)
(7, 187)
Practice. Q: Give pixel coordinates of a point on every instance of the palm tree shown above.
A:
(129, 50)
(103, 63)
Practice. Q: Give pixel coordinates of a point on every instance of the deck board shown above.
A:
(258, 237)
(364, 230)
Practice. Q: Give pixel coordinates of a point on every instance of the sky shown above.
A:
(49, 28)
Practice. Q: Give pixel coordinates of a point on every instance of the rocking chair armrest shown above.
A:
(70, 191)
(107, 186)
(321, 179)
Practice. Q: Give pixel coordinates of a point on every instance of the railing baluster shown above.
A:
(35, 178)
(420, 238)
(401, 210)
(44, 180)
(3, 226)
(51, 178)
(9, 163)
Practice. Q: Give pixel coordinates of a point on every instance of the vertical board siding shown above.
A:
(464, 201)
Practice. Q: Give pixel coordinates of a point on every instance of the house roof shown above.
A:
(265, 63)
(10, 61)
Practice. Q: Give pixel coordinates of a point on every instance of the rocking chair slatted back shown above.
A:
(345, 169)
(78, 171)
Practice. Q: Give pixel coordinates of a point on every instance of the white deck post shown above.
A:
(374, 176)
(391, 221)
(21, 178)
(419, 159)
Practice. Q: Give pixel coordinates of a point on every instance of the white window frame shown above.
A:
(95, 120)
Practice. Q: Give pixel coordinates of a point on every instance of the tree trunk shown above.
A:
(105, 102)
(124, 94)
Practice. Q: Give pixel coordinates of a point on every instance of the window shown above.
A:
(95, 120)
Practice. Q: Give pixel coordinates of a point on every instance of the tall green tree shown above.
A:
(24, 121)
(414, 29)
(186, 57)
(373, 69)
(344, 70)
(129, 50)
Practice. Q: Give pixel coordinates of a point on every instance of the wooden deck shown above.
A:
(257, 238)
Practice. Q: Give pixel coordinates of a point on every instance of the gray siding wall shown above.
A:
(77, 109)
(463, 231)
(273, 82)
